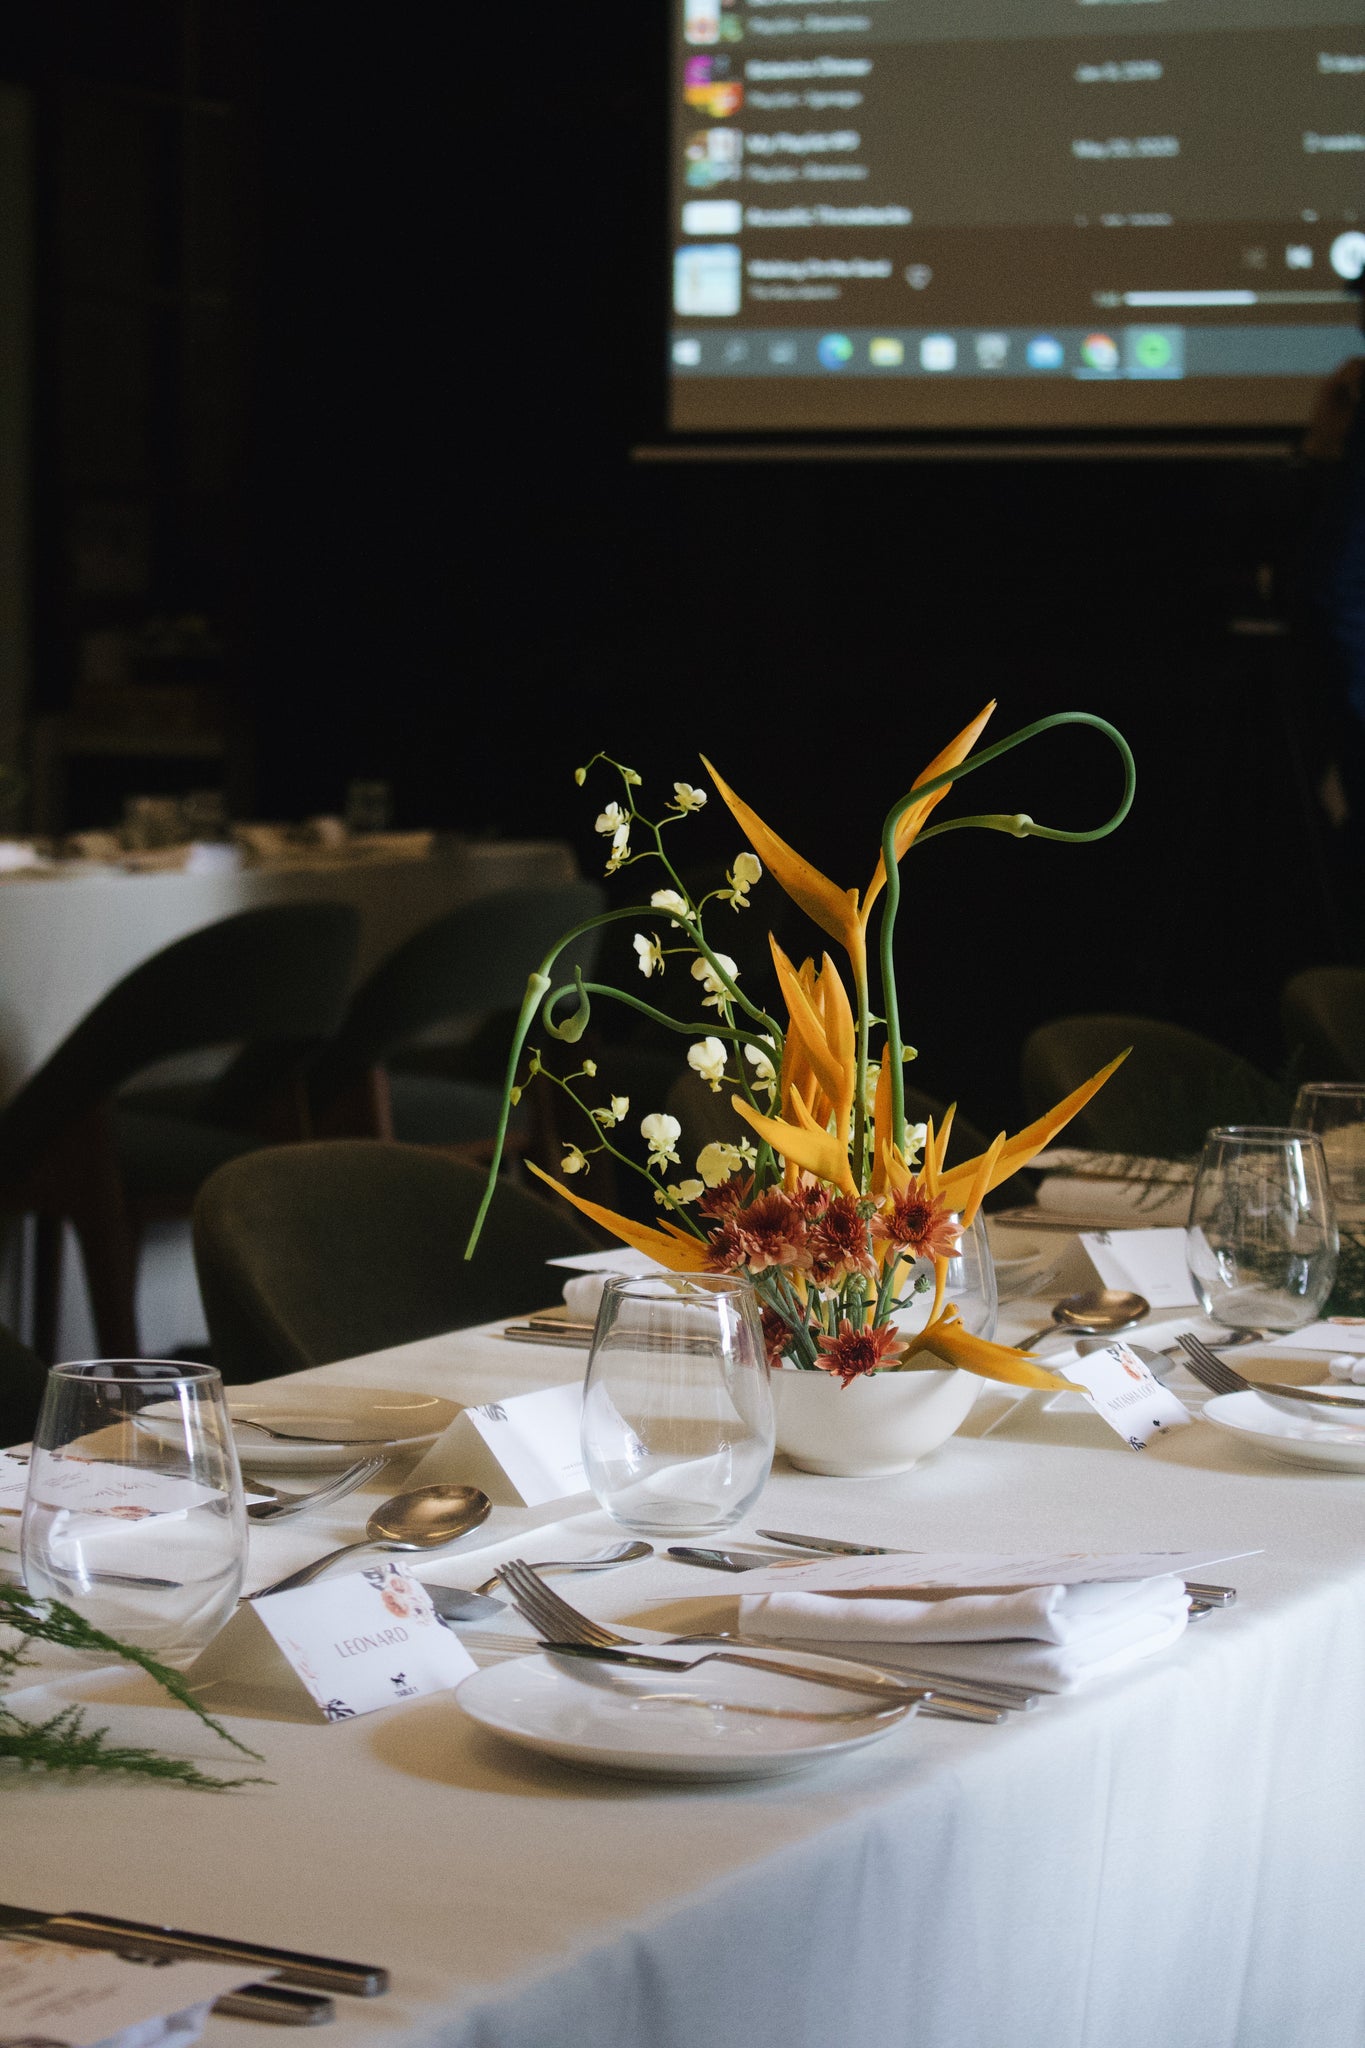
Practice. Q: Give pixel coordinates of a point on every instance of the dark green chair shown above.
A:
(1323, 1014)
(1173, 1087)
(271, 983)
(309, 1253)
(469, 968)
(23, 1377)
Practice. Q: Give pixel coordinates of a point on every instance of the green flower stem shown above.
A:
(1020, 826)
(536, 987)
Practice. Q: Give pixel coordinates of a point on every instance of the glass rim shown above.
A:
(710, 1283)
(1260, 1134)
(1329, 1088)
(129, 1371)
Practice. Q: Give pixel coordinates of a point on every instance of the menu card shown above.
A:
(985, 1571)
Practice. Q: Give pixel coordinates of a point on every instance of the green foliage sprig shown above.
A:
(64, 1742)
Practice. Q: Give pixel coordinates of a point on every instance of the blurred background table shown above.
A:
(66, 938)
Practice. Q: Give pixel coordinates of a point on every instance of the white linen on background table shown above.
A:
(1164, 1861)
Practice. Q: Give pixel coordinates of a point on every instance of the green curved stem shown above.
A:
(995, 823)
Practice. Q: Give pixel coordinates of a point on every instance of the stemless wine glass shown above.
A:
(1335, 1110)
(1262, 1239)
(970, 1286)
(134, 1513)
(677, 1410)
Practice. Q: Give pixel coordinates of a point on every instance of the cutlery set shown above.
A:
(292, 1999)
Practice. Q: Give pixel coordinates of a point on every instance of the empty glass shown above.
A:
(1262, 1239)
(1335, 1110)
(134, 1513)
(970, 1286)
(677, 1410)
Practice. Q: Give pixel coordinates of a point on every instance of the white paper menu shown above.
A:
(901, 1570)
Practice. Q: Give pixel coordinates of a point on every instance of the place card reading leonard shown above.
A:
(523, 1451)
(1125, 1392)
(343, 1647)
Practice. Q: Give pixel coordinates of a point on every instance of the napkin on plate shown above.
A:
(1053, 1637)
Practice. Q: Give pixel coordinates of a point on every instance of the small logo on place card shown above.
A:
(399, 1681)
(494, 1411)
(337, 1710)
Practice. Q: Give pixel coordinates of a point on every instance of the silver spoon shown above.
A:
(424, 1519)
(1104, 1312)
(600, 1561)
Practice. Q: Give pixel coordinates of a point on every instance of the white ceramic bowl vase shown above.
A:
(884, 1422)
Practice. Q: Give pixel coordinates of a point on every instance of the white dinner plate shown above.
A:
(1340, 1445)
(605, 1718)
(367, 1416)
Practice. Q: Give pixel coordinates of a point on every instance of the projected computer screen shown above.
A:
(1013, 213)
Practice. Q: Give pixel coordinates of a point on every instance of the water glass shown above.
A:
(134, 1514)
(1335, 1110)
(970, 1286)
(1262, 1239)
(677, 1409)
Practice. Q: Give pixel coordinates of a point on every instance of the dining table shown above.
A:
(1168, 1858)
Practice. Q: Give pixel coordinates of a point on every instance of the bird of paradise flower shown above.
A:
(834, 1215)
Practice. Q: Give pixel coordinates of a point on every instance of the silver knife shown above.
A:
(1209, 1596)
(170, 1944)
(727, 1560)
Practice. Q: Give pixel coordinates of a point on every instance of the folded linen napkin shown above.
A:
(1135, 1201)
(1053, 1637)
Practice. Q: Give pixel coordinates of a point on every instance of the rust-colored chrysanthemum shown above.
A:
(854, 1352)
(770, 1232)
(724, 1252)
(812, 1196)
(839, 1245)
(776, 1335)
(919, 1223)
(724, 1200)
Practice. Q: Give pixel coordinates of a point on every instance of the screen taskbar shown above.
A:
(1117, 353)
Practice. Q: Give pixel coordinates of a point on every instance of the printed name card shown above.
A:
(523, 1451)
(58, 1997)
(1125, 1392)
(1152, 1262)
(343, 1647)
(129, 1493)
(980, 1571)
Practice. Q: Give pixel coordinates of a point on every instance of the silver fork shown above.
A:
(282, 1505)
(558, 1622)
(1221, 1378)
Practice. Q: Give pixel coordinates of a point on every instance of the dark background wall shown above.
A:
(433, 560)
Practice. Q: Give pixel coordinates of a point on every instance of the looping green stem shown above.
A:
(995, 822)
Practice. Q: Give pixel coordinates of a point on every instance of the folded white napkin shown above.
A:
(583, 1294)
(1052, 1637)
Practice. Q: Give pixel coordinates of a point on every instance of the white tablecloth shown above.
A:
(65, 940)
(1171, 1860)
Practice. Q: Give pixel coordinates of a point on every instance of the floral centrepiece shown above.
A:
(838, 1210)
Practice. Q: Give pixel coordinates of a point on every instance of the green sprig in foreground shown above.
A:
(64, 1742)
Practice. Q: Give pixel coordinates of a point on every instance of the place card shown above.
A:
(343, 1647)
(523, 1451)
(1337, 1334)
(128, 1493)
(978, 1571)
(1150, 1262)
(1126, 1393)
(64, 1997)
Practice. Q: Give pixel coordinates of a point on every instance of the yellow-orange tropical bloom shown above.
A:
(676, 1249)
